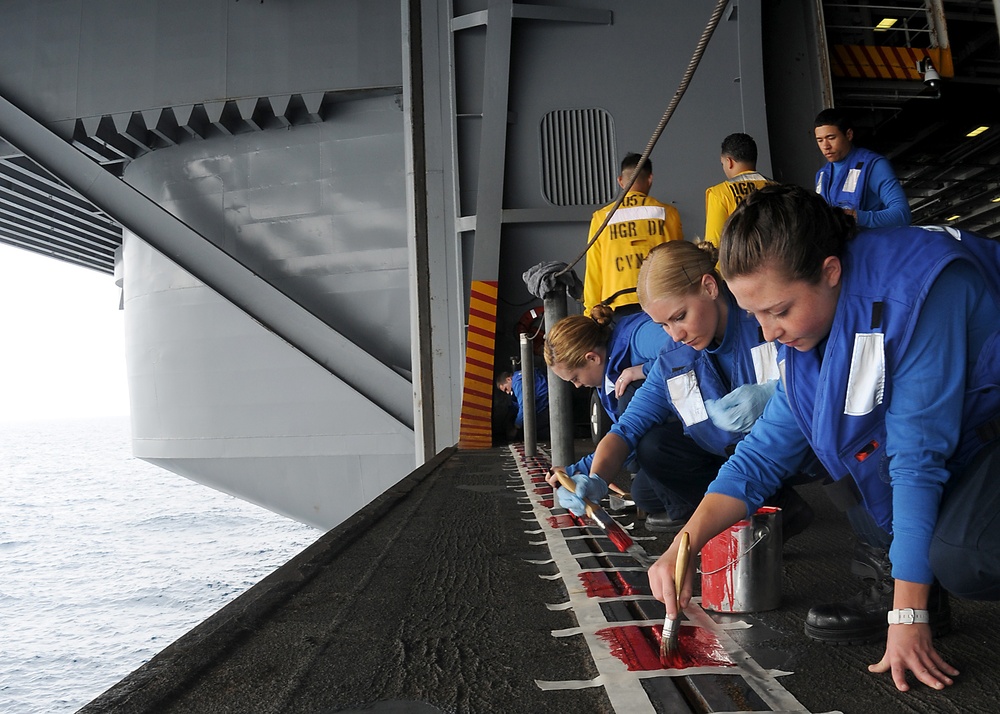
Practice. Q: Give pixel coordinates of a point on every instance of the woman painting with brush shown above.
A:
(612, 356)
(716, 364)
(892, 375)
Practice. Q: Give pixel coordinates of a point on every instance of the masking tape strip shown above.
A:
(762, 681)
(619, 684)
(618, 681)
(603, 624)
(617, 598)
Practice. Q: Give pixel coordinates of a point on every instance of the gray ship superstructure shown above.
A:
(298, 197)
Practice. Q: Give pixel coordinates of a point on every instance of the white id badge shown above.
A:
(851, 184)
(765, 362)
(866, 381)
(687, 399)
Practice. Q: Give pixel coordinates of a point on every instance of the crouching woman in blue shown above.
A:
(892, 375)
(604, 353)
(611, 356)
(716, 362)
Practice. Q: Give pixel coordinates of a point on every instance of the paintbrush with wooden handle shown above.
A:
(669, 639)
(615, 532)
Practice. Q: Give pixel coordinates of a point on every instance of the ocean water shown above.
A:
(105, 559)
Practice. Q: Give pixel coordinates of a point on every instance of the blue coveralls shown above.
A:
(903, 397)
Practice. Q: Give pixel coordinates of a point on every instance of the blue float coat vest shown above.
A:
(691, 377)
(859, 162)
(619, 358)
(840, 401)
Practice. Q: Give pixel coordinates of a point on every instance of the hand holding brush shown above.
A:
(671, 627)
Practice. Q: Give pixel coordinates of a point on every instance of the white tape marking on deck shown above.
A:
(621, 685)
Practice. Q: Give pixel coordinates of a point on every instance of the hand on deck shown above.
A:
(910, 648)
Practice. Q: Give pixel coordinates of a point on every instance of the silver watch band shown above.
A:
(908, 616)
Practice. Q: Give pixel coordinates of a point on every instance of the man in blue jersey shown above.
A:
(858, 181)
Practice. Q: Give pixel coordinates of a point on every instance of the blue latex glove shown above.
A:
(588, 486)
(738, 410)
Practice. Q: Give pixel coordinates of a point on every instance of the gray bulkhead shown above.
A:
(377, 187)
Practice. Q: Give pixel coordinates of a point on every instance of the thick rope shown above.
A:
(699, 51)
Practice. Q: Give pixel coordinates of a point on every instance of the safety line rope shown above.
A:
(699, 51)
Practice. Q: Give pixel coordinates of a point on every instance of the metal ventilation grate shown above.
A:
(578, 157)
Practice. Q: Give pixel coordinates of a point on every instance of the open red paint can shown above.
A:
(741, 567)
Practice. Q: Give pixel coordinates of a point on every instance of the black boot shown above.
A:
(862, 618)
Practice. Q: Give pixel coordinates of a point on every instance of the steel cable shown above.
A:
(699, 51)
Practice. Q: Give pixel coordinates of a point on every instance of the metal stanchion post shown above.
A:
(528, 394)
(560, 392)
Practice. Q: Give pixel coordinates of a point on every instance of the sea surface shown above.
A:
(105, 559)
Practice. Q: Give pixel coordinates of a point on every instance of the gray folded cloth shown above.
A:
(543, 279)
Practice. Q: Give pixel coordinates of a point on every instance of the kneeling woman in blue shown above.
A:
(891, 373)
(717, 364)
(612, 356)
(608, 354)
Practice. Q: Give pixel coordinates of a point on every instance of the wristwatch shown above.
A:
(908, 616)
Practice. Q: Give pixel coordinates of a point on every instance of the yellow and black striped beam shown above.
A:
(476, 425)
(868, 62)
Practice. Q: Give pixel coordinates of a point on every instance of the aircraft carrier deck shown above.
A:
(449, 594)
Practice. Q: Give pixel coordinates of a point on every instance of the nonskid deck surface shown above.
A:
(435, 598)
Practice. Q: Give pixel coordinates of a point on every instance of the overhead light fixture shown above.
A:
(885, 24)
(977, 131)
(996, 199)
(953, 218)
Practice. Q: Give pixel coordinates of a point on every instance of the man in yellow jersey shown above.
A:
(739, 164)
(640, 223)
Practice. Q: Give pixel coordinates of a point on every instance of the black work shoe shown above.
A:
(662, 523)
(871, 562)
(862, 618)
(796, 514)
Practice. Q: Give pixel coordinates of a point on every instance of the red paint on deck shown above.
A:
(632, 647)
(547, 503)
(598, 585)
(608, 585)
(564, 521)
(543, 491)
(639, 648)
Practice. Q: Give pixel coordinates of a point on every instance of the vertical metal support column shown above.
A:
(560, 394)
(996, 12)
(823, 50)
(437, 305)
(939, 24)
(528, 394)
(477, 403)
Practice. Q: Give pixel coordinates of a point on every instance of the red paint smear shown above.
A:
(639, 648)
(547, 504)
(718, 566)
(564, 521)
(598, 585)
(543, 491)
(619, 537)
(718, 563)
(608, 585)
